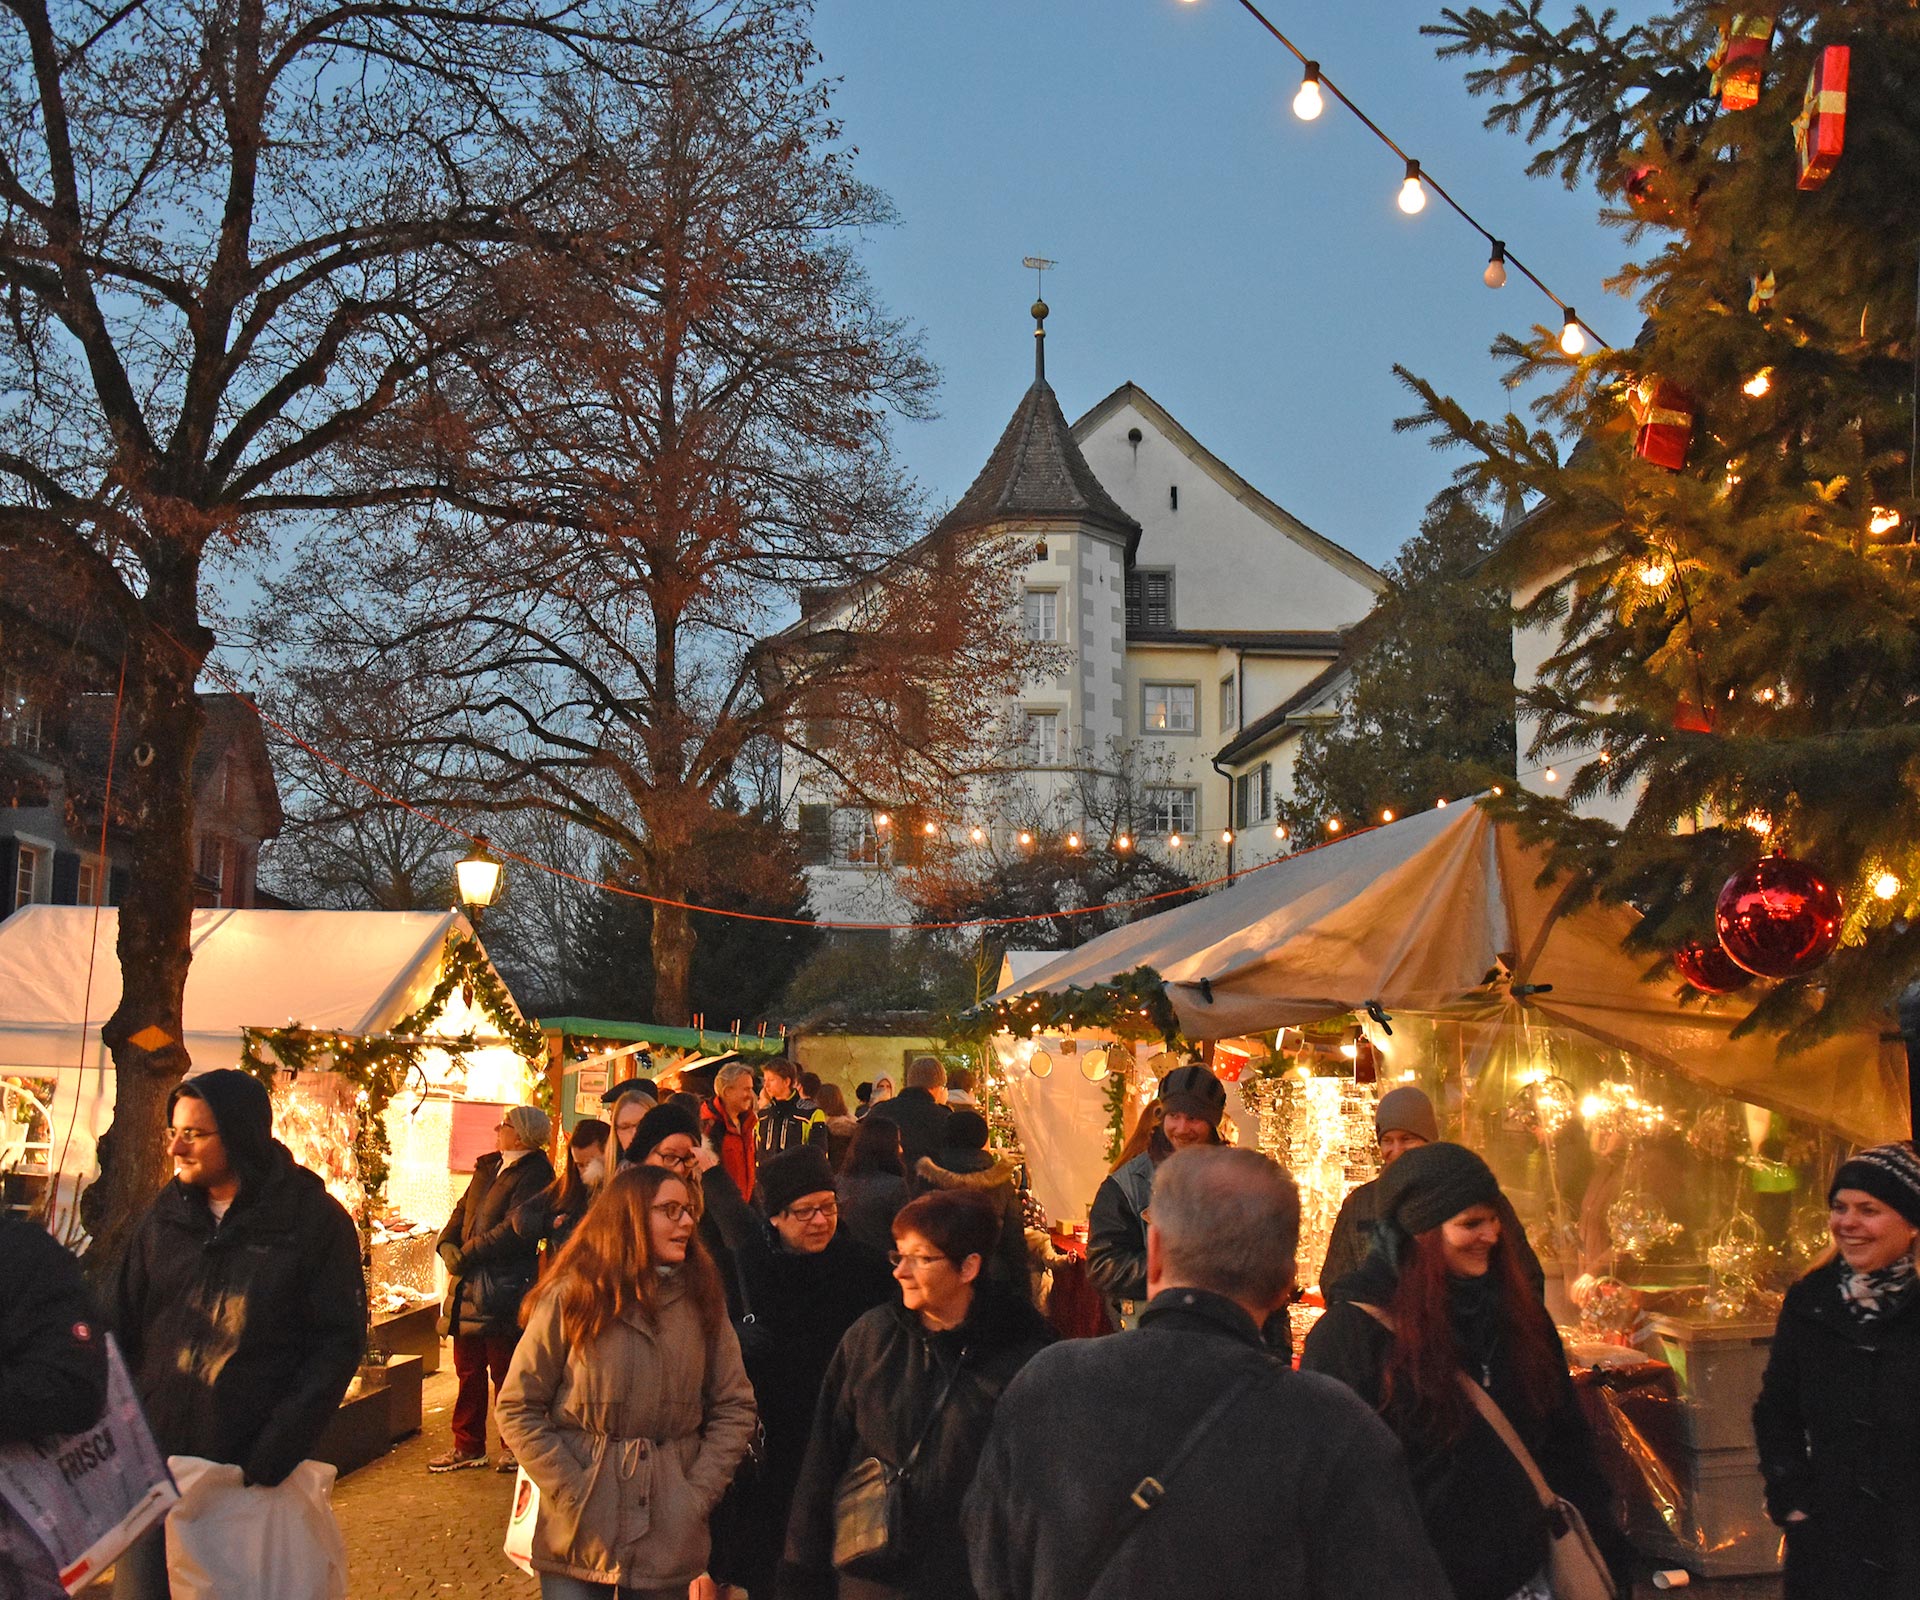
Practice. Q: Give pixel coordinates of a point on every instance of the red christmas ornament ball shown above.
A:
(1778, 918)
(1709, 968)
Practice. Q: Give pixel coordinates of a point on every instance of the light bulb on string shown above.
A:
(1573, 338)
(1123, 843)
(1173, 841)
(1413, 194)
(930, 829)
(978, 836)
(1307, 104)
(1386, 816)
(1441, 803)
(1333, 824)
(1759, 383)
(882, 820)
(1073, 841)
(1550, 775)
(1495, 277)
(1025, 838)
(1280, 831)
(1226, 836)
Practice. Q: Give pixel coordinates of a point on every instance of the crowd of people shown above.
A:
(746, 1343)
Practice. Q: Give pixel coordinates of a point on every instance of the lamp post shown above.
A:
(478, 875)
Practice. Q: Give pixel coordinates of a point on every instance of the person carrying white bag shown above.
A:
(242, 1311)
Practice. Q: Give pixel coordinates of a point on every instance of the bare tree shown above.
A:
(661, 456)
(235, 234)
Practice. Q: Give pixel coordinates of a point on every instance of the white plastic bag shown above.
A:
(526, 1509)
(89, 1495)
(227, 1540)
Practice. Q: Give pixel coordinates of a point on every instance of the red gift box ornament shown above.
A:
(1664, 413)
(1741, 59)
(1820, 131)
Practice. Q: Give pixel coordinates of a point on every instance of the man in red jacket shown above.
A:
(727, 1122)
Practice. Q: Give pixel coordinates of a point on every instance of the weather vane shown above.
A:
(1040, 266)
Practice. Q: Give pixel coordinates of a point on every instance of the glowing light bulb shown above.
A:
(1605, 757)
(1073, 841)
(1441, 802)
(882, 820)
(1497, 791)
(1759, 383)
(1654, 573)
(1280, 832)
(978, 835)
(1886, 886)
(1550, 775)
(1573, 338)
(1386, 816)
(1495, 277)
(1173, 841)
(1025, 837)
(1226, 836)
(1413, 194)
(1758, 822)
(1307, 104)
(1883, 520)
(1123, 843)
(930, 828)
(1333, 824)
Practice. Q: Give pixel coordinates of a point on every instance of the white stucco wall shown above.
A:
(1532, 647)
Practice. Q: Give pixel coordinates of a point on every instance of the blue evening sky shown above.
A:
(1248, 270)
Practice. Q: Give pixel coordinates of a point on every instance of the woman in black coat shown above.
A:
(490, 1267)
(1838, 1418)
(873, 1184)
(1458, 1298)
(931, 1366)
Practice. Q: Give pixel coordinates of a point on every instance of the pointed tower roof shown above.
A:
(1036, 471)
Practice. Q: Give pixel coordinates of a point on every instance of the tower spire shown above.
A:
(1039, 264)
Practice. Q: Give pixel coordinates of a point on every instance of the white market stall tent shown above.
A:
(343, 972)
(1415, 916)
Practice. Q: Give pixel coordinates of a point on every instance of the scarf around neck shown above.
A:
(1870, 1295)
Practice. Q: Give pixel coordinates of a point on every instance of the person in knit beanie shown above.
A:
(1839, 1406)
(1404, 1120)
(1442, 1297)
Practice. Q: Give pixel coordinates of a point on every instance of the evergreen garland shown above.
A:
(378, 1065)
(1132, 1006)
(1116, 1115)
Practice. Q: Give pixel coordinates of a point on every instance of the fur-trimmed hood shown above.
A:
(970, 1169)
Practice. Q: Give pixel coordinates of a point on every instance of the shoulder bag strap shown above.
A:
(1152, 1489)
(1495, 1417)
(939, 1405)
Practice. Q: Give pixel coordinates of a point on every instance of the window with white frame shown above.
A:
(26, 875)
(1043, 615)
(1253, 796)
(1229, 701)
(1173, 810)
(1168, 707)
(1043, 738)
(87, 884)
(853, 839)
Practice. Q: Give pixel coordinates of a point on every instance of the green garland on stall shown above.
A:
(1131, 1006)
(379, 1065)
(1116, 1115)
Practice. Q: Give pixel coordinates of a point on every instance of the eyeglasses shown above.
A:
(810, 1213)
(192, 1136)
(917, 1264)
(685, 1163)
(673, 1210)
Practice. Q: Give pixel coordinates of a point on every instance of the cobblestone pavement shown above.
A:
(419, 1535)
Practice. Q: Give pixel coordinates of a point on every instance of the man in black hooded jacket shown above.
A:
(240, 1305)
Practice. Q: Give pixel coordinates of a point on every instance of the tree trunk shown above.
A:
(672, 965)
(161, 721)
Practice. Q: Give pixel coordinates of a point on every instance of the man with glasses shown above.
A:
(239, 1306)
(804, 1283)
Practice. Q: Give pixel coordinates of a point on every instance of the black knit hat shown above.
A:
(1888, 1172)
(656, 1127)
(786, 1177)
(1193, 1091)
(1433, 1182)
(964, 1130)
(242, 1112)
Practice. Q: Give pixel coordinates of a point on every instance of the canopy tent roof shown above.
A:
(662, 1034)
(350, 971)
(1416, 916)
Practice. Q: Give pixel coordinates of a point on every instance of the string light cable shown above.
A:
(1574, 329)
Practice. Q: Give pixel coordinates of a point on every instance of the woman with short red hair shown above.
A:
(1444, 1295)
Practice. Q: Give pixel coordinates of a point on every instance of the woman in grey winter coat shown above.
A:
(627, 1403)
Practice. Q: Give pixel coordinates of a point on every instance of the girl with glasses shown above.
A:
(627, 1402)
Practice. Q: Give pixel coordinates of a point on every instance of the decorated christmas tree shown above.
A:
(1723, 510)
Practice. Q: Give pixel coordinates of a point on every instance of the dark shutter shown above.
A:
(909, 836)
(9, 860)
(816, 835)
(117, 887)
(1266, 790)
(1135, 601)
(66, 878)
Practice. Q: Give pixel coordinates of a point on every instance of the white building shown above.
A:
(1201, 620)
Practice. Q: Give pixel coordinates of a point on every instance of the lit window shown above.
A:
(1167, 707)
(1173, 811)
(1043, 615)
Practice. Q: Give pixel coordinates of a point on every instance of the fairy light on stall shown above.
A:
(1759, 384)
(1883, 519)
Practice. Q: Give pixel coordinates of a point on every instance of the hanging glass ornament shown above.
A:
(1778, 918)
(1718, 1132)
(1639, 1225)
(1543, 1106)
(1710, 969)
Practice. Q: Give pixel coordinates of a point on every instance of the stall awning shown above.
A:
(702, 1040)
(1416, 916)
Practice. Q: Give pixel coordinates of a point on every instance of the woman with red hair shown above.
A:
(1444, 1294)
(627, 1403)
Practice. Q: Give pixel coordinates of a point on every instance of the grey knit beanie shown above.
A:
(1407, 1110)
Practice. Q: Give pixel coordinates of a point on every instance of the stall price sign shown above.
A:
(589, 1084)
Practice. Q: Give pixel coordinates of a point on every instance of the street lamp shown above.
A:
(478, 875)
